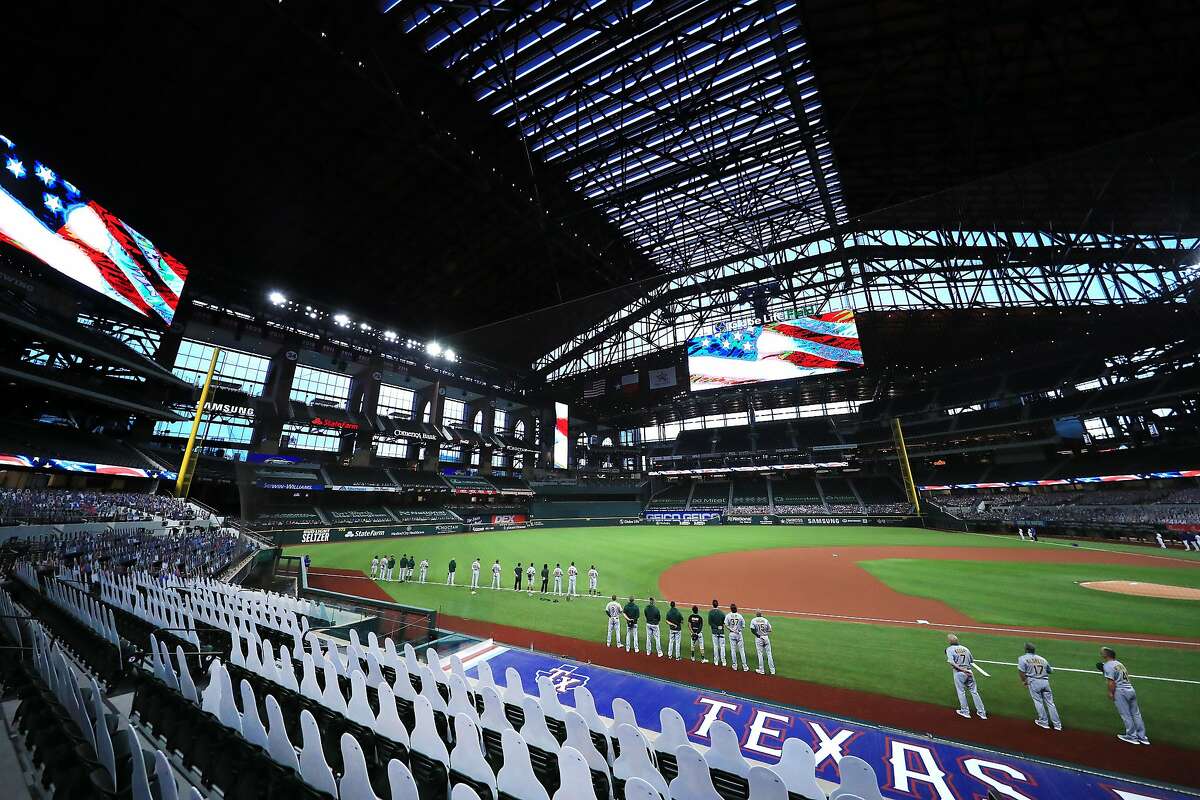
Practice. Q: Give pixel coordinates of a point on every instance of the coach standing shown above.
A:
(674, 629)
(1121, 692)
(716, 626)
(653, 617)
(631, 613)
(517, 581)
(450, 572)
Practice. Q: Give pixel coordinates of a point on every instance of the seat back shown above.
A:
(227, 711)
(139, 782)
(388, 723)
(374, 670)
(579, 737)
(548, 696)
(358, 710)
(403, 687)
(858, 781)
(355, 783)
(460, 700)
(186, 685)
(693, 781)
(634, 760)
(252, 727)
(410, 659)
(493, 717)
(430, 691)
(467, 757)
(167, 790)
(314, 769)
(401, 782)
(279, 746)
(638, 789)
(287, 670)
(104, 751)
(464, 792)
(331, 696)
(425, 738)
(308, 682)
(575, 778)
(766, 785)
(623, 713)
(514, 691)
(534, 731)
(516, 777)
(673, 733)
(797, 768)
(484, 670)
(725, 752)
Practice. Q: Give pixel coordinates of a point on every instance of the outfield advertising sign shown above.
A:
(683, 517)
(907, 766)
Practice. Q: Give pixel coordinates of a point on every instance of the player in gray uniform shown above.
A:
(1121, 692)
(735, 624)
(1035, 674)
(496, 574)
(960, 660)
(613, 610)
(762, 641)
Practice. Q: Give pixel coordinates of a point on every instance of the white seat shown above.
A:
(467, 757)
(585, 705)
(634, 761)
(227, 711)
(514, 691)
(403, 687)
(354, 658)
(314, 769)
(308, 682)
(484, 670)
(548, 697)
(725, 752)
(374, 672)
(401, 782)
(355, 783)
(331, 695)
(168, 672)
(494, 718)
(104, 751)
(410, 659)
(579, 737)
(859, 781)
(516, 777)
(693, 781)
(672, 732)
(463, 792)
(286, 672)
(372, 641)
(167, 790)
(279, 746)
(434, 662)
(388, 722)
(456, 668)
(253, 660)
(252, 727)
(210, 698)
(359, 709)
(430, 691)
(425, 739)
(638, 789)
(390, 657)
(237, 654)
(766, 785)
(269, 668)
(460, 700)
(575, 777)
(797, 768)
(622, 715)
(139, 781)
(534, 730)
(187, 686)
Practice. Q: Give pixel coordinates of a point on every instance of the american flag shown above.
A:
(775, 351)
(49, 218)
(594, 388)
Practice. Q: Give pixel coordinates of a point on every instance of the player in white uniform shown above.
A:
(475, 574)
(558, 578)
(1161, 543)
(374, 566)
(1021, 533)
(572, 576)
(593, 581)
(735, 624)
(762, 641)
(613, 610)
(424, 569)
(530, 571)
(1121, 692)
(1035, 674)
(496, 574)
(960, 660)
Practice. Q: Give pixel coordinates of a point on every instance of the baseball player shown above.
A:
(391, 565)
(735, 624)
(558, 573)
(412, 567)
(674, 629)
(1161, 543)
(613, 610)
(1196, 541)
(572, 576)
(593, 581)
(545, 578)
(475, 574)
(716, 628)
(960, 660)
(1021, 533)
(762, 641)
(1035, 674)
(653, 617)
(631, 612)
(450, 573)
(696, 626)
(424, 569)
(1122, 693)
(496, 575)
(402, 575)
(374, 566)
(530, 571)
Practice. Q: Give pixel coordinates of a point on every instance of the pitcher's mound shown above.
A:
(1144, 589)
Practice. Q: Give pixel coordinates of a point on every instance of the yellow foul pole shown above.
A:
(184, 482)
(910, 488)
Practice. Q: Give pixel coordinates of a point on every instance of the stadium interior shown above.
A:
(457, 268)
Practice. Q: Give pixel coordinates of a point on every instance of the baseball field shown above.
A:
(863, 609)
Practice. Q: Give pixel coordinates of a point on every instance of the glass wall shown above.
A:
(312, 384)
(236, 369)
(306, 437)
(395, 400)
(453, 412)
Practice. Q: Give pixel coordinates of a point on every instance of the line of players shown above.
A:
(722, 627)
(1035, 673)
(388, 568)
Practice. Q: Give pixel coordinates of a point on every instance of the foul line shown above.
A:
(1095, 672)
(819, 615)
(1191, 562)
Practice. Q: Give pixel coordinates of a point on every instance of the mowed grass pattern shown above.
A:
(904, 662)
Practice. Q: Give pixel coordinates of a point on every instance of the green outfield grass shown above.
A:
(1047, 595)
(905, 662)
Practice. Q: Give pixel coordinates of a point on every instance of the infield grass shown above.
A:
(904, 662)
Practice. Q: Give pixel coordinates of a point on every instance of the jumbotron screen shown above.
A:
(562, 436)
(775, 351)
(45, 215)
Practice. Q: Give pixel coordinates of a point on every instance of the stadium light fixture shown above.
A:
(389, 335)
(434, 349)
(450, 355)
(277, 298)
(341, 319)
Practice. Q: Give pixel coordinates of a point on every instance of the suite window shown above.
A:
(395, 400)
(236, 369)
(321, 387)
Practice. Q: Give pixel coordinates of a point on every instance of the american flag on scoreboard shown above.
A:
(775, 351)
(49, 218)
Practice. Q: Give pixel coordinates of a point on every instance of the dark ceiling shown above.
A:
(262, 155)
